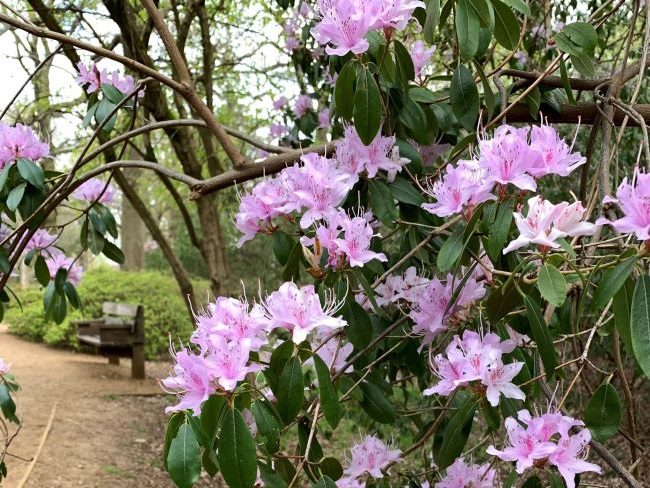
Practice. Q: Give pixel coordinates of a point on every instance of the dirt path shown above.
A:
(108, 429)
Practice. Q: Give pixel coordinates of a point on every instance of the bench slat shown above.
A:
(121, 309)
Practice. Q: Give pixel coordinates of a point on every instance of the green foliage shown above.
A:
(164, 308)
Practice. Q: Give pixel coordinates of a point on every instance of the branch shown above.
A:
(584, 113)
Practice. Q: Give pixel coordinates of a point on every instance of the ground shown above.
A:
(108, 429)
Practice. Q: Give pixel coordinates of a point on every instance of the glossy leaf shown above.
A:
(603, 413)
(551, 284)
(541, 335)
(31, 172)
(456, 433)
(367, 107)
(236, 455)
(467, 29)
(329, 398)
(375, 404)
(464, 97)
(291, 390)
(506, 26)
(344, 91)
(640, 323)
(612, 281)
(432, 18)
(382, 202)
(184, 457)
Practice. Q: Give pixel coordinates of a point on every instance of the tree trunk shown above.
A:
(132, 234)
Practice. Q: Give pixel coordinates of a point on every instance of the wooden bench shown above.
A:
(119, 333)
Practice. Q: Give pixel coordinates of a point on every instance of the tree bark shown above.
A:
(132, 235)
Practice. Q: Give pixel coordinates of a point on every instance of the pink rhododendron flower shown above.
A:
(477, 359)
(460, 190)
(420, 56)
(546, 440)
(192, 380)
(42, 240)
(19, 142)
(56, 261)
(545, 223)
(256, 210)
(91, 76)
(299, 311)
(393, 14)
(277, 130)
(229, 361)
(334, 352)
(291, 44)
(355, 242)
(231, 319)
(302, 105)
(381, 154)
(430, 154)
(95, 190)
(464, 475)
(280, 103)
(343, 24)
(370, 456)
(4, 367)
(634, 200)
(555, 156)
(324, 118)
(350, 482)
(433, 308)
(508, 157)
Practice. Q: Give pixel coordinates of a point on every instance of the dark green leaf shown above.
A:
(344, 91)
(375, 404)
(4, 174)
(236, 455)
(329, 398)
(488, 94)
(404, 191)
(621, 306)
(282, 246)
(506, 25)
(431, 22)
(7, 405)
(467, 29)
(382, 202)
(612, 281)
(499, 230)
(291, 390)
(451, 250)
(367, 107)
(640, 323)
(210, 414)
(268, 425)
(112, 252)
(279, 358)
(41, 270)
(519, 5)
(15, 197)
(359, 328)
(456, 433)
(331, 467)
(551, 284)
(541, 336)
(325, 482)
(184, 457)
(71, 293)
(31, 172)
(464, 97)
(405, 61)
(112, 93)
(566, 82)
(603, 413)
(270, 478)
(422, 95)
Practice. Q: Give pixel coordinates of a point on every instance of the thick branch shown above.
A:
(585, 113)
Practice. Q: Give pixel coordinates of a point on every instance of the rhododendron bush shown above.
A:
(464, 283)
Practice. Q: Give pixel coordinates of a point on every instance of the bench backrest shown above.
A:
(127, 312)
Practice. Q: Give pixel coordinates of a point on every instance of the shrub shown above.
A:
(165, 311)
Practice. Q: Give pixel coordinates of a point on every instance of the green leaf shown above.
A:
(267, 423)
(72, 295)
(7, 405)
(16, 196)
(456, 433)
(405, 61)
(4, 175)
(282, 246)
(422, 95)
(279, 358)
(551, 284)
(612, 281)
(375, 404)
(184, 457)
(291, 390)
(451, 250)
(603, 413)
(367, 107)
(404, 191)
(488, 94)
(41, 271)
(541, 336)
(533, 100)
(292, 269)
(533, 482)
(210, 415)
(331, 467)
(584, 64)
(467, 29)
(359, 328)
(520, 6)
(464, 97)
(566, 83)
(344, 91)
(270, 478)
(581, 34)
(325, 482)
(506, 26)
(329, 398)
(112, 93)
(432, 18)
(499, 230)
(382, 202)
(640, 323)
(31, 172)
(237, 457)
(621, 307)
(483, 12)
(112, 252)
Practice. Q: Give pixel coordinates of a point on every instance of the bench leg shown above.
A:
(137, 362)
(114, 360)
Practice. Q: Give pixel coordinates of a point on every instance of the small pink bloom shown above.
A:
(95, 190)
(463, 475)
(324, 119)
(19, 142)
(192, 380)
(302, 105)
(420, 56)
(228, 361)
(292, 44)
(355, 243)
(343, 24)
(568, 457)
(4, 367)
(555, 155)
(280, 103)
(370, 456)
(57, 261)
(91, 76)
(393, 14)
(42, 240)
(277, 130)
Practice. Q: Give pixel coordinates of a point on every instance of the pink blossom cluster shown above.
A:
(476, 360)
(92, 78)
(515, 156)
(466, 475)
(547, 440)
(302, 105)
(95, 190)
(545, 223)
(371, 456)
(440, 304)
(58, 260)
(18, 142)
(421, 55)
(4, 367)
(333, 351)
(228, 330)
(633, 197)
(346, 239)
(318, 187)
(344, 24)
(407, 287)
(293, 26)
(42, 240)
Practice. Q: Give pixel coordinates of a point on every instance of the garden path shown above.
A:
(107, 431)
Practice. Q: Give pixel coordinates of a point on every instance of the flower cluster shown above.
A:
(546, 223)
(421, 57)
(634, 200)
(464, 475)
(20, 141)
(58, 260)
(370, 456)
(344, 24)
(293, 25)
(546, 440)
(95, 190)
(4, 367)
(334, 353)
(318, 187)
(515, 156)
(228, 330)
(477, 359)
(92, 78)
